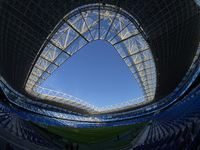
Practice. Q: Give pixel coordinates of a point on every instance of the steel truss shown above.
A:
(83, 25)
(76, 102)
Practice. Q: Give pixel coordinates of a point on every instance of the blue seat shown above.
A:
(6, 123)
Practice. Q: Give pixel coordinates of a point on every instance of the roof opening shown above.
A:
(95, 74)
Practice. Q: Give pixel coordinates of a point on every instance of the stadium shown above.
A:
(157, 40)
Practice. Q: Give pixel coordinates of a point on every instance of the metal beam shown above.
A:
(74, 28)
(140, 62)
(111, 24)
(144, 75)
(142, 69)
(99, 22)
(146, 79)
(52, 62)
(136, 52)
(60, 47)
(126, 38)
(87, 26)
(118, 32)
(147, 85)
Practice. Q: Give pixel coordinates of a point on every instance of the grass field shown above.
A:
(103, 138)
(85, 135)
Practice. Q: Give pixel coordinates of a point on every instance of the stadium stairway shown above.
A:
(142, 138)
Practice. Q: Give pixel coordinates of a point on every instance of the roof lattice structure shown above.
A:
(171, 29)
(92, 22)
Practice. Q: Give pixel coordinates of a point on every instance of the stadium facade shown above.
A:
(158, 40)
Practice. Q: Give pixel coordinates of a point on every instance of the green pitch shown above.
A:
(94, 138)
(90, 135)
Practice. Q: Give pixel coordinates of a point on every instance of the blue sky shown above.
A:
(97, 75)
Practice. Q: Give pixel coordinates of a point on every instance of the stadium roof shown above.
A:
(171, 29)
(93, 22)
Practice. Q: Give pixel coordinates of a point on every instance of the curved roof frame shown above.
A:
(92, 22)
(73, 101)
